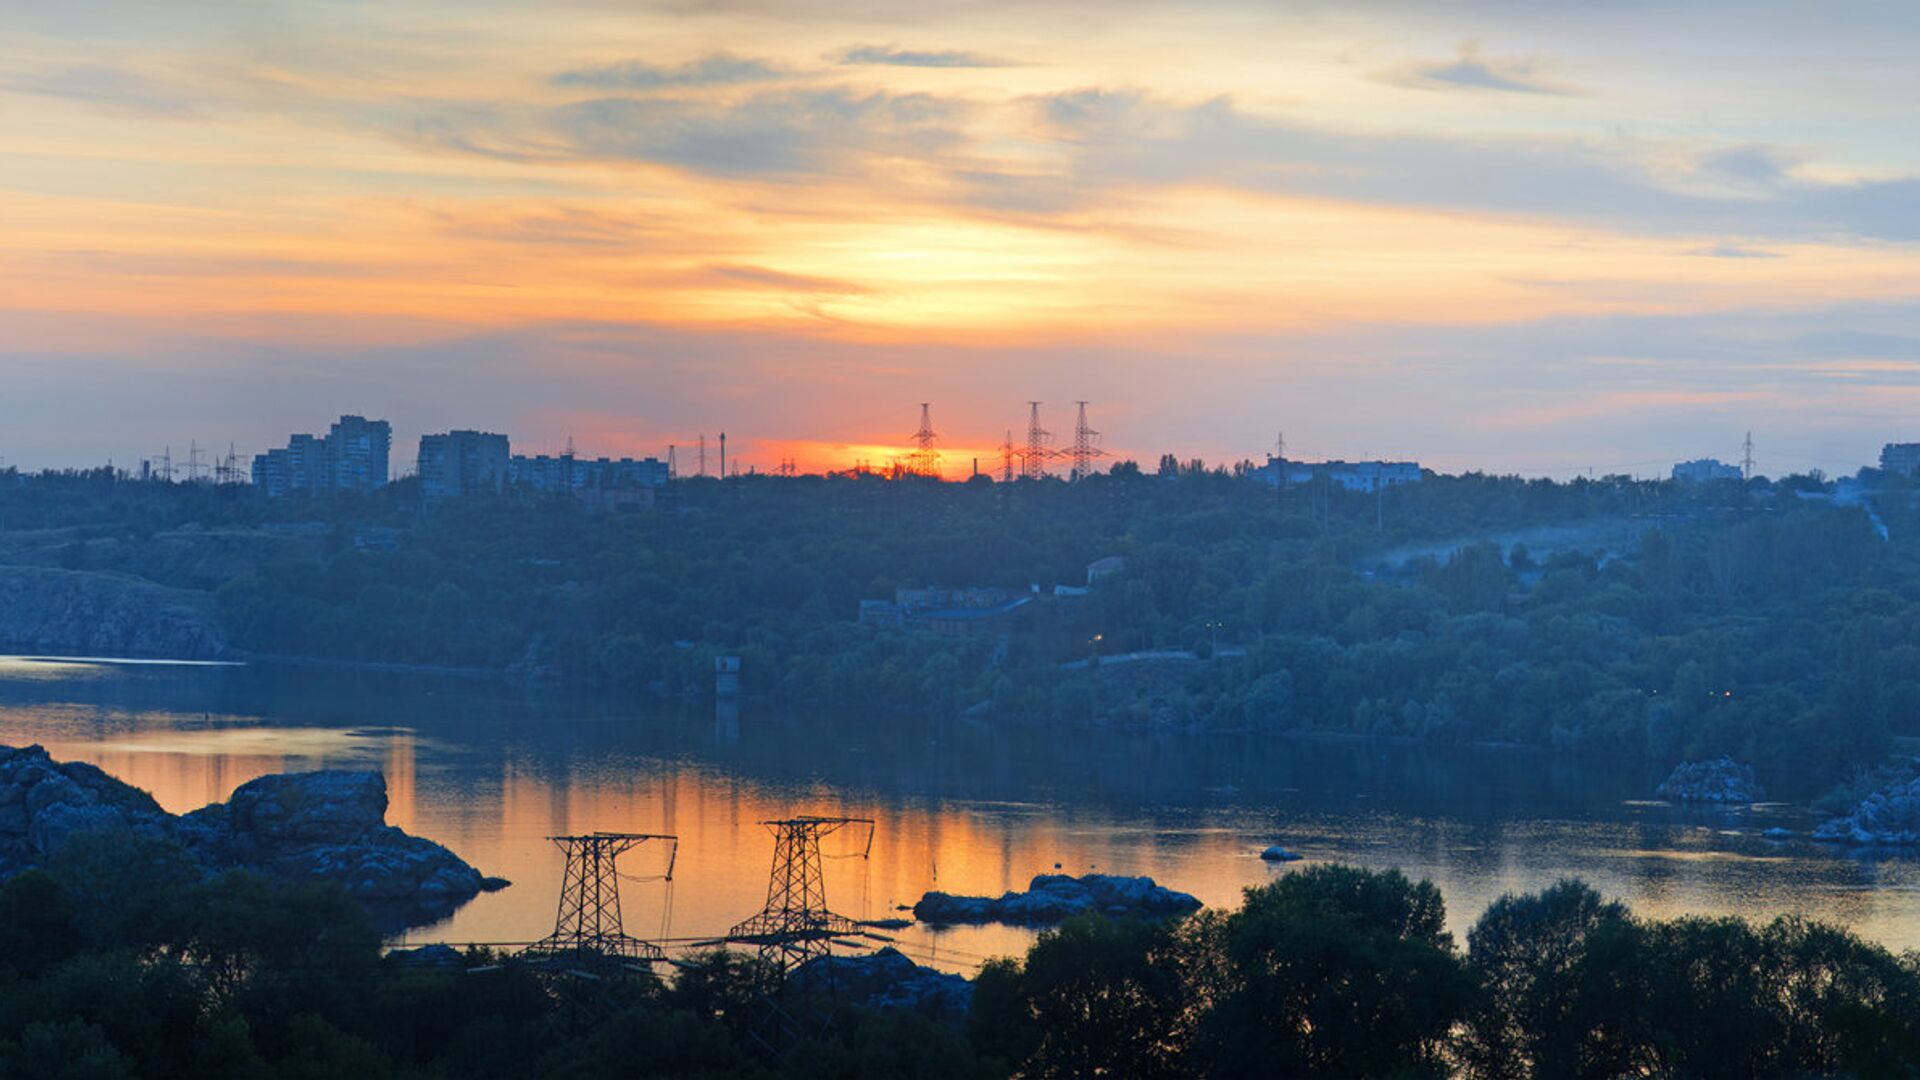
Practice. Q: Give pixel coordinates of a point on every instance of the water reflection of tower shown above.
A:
(726, 701)
(400, 786)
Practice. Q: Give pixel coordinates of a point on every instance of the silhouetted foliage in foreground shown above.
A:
(1327, 972)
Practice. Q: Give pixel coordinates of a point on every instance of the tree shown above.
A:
(1094, 998)
(1334, 971)
(1523, 950)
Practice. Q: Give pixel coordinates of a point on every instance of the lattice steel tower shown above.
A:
(925, 459)
(1034, 465)
(1086, 446)
(588, 925)
(796, 926)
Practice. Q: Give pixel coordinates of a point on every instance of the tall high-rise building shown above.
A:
(463, 463)
(357, 451)
(352, 456)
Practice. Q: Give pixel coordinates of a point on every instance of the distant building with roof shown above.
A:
(1705, 470)
(971, 610)
(1350, 475)
(1900, 458)
(565, 472)
(1100, 568)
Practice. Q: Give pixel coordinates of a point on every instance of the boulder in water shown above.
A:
(1053, 898)
(1276, 853)
(1722, 780)
(1889, 817)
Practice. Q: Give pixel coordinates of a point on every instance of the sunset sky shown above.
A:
(1517, 236)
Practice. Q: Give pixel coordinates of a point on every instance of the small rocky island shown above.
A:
(1889, 817)
(1723, 781)
(1054, 898)
(318, 826)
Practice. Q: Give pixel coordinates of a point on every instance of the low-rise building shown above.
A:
(1900, 458)
(969, 610)
(1704, 470)
(565, 472)
(1349, 475)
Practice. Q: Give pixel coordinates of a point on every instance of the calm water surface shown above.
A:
(491, 771)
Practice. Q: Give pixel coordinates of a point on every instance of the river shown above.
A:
(491, 770)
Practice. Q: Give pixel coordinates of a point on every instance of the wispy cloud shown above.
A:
(762, 277)
(773, 134)
(1473, 71)
(109, 89)
(719, 69)
(1733, 251)
(892, 56)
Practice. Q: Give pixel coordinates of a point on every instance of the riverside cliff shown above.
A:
(318, 826)
(78, 613)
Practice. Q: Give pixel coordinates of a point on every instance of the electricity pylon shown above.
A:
(796, 926)
(1086, 447)
(1034, 465)
(587, 927)
(925, 458)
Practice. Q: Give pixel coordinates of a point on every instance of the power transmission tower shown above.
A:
(925, 459)
(165, 471)
(796, 926)
(1746, 458)
(702, 457)
(587, 928)
(1085, 447)
(1006, 459)
(1034, 465)
(196, 468)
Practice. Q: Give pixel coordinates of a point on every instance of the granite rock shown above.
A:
(888, 980)
(1722, 780)
(317, 826)
(1053, 898)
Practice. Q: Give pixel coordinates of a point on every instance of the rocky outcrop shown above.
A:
(1722, 780)
(1276, 853)
(1053, 898)
(319, 826)
(94, 614)
(888, 980)
(1889, 817)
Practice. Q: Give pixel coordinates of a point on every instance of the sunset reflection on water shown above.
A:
(961, 808)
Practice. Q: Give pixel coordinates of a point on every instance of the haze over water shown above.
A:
(960, 807)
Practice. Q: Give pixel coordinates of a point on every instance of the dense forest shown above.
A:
(1774, 621)
(119, 961)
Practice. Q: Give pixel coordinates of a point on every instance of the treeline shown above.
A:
(115, 962)
(1767, 621)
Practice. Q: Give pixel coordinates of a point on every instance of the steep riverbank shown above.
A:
(81, 613)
